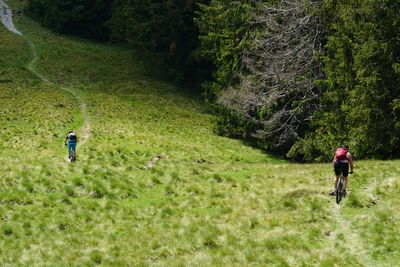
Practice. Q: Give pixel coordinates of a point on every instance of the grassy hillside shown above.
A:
(212, 202)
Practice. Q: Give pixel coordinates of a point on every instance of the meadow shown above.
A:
(212, 201)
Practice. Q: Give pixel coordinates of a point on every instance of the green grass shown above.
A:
(212, 202)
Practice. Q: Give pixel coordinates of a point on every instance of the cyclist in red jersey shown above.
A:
(341, 162)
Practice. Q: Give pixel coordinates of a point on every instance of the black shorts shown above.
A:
(341, 167)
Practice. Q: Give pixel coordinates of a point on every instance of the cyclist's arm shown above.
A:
(350, 158)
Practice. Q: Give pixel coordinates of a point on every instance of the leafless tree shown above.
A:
(278, 93)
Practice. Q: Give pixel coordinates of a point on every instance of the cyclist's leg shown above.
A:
(69, 148)
(336, 179)
(337, 171)
(345, 175)
(74, 149)
(332, 193)
(72, 146)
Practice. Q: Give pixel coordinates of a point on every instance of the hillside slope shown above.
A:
(212, 201)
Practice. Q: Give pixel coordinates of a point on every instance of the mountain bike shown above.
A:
(339, 188)
(72, 154)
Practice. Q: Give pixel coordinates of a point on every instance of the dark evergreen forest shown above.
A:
(298, 77)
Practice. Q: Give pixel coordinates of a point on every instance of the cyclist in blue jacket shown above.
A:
(72, 139)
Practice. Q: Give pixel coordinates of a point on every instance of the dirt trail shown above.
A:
(85, 134)
(6, 19)
(349, 236)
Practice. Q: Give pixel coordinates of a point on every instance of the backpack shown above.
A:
(72, 137)
(341, 153)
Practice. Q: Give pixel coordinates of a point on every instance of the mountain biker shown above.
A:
(341, 162)
(72, 140)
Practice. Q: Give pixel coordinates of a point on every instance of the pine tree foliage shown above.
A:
(164, 28)
(225, 28)
(361, 95)
(78, 17)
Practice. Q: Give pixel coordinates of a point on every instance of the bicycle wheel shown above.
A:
(339, 190)
(71, 155)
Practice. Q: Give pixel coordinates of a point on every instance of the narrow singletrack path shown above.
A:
(349, 236)
(6, 19)
(83, 106)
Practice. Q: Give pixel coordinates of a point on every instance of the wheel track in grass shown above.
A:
(6, 20)
(83, 106)
(348, 236)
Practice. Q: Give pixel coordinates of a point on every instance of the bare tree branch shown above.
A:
(279, 95)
